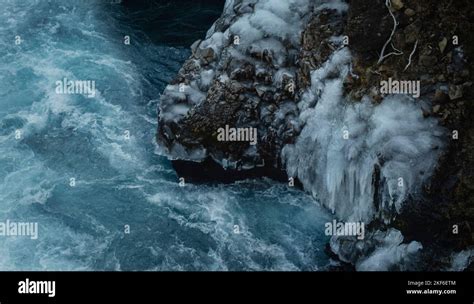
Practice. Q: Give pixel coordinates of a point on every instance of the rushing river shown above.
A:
(87, 171)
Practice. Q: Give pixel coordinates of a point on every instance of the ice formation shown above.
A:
(362, 161)
(348, 153)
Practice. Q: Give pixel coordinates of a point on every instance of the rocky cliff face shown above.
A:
(306, 74)
(437, 36)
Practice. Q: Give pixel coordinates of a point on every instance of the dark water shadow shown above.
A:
(175, 23)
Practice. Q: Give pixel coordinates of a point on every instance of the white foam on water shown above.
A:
(217, 211)
(39, 113)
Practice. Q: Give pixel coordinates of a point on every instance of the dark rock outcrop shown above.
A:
(244, 84)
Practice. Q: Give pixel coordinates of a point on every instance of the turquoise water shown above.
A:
(119, 181)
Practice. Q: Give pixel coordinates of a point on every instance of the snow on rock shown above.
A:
(247, 62)
(462, 259)
(379, 251)
(390, 254)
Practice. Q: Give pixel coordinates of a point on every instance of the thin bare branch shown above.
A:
(382, 57)
(411, 55)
